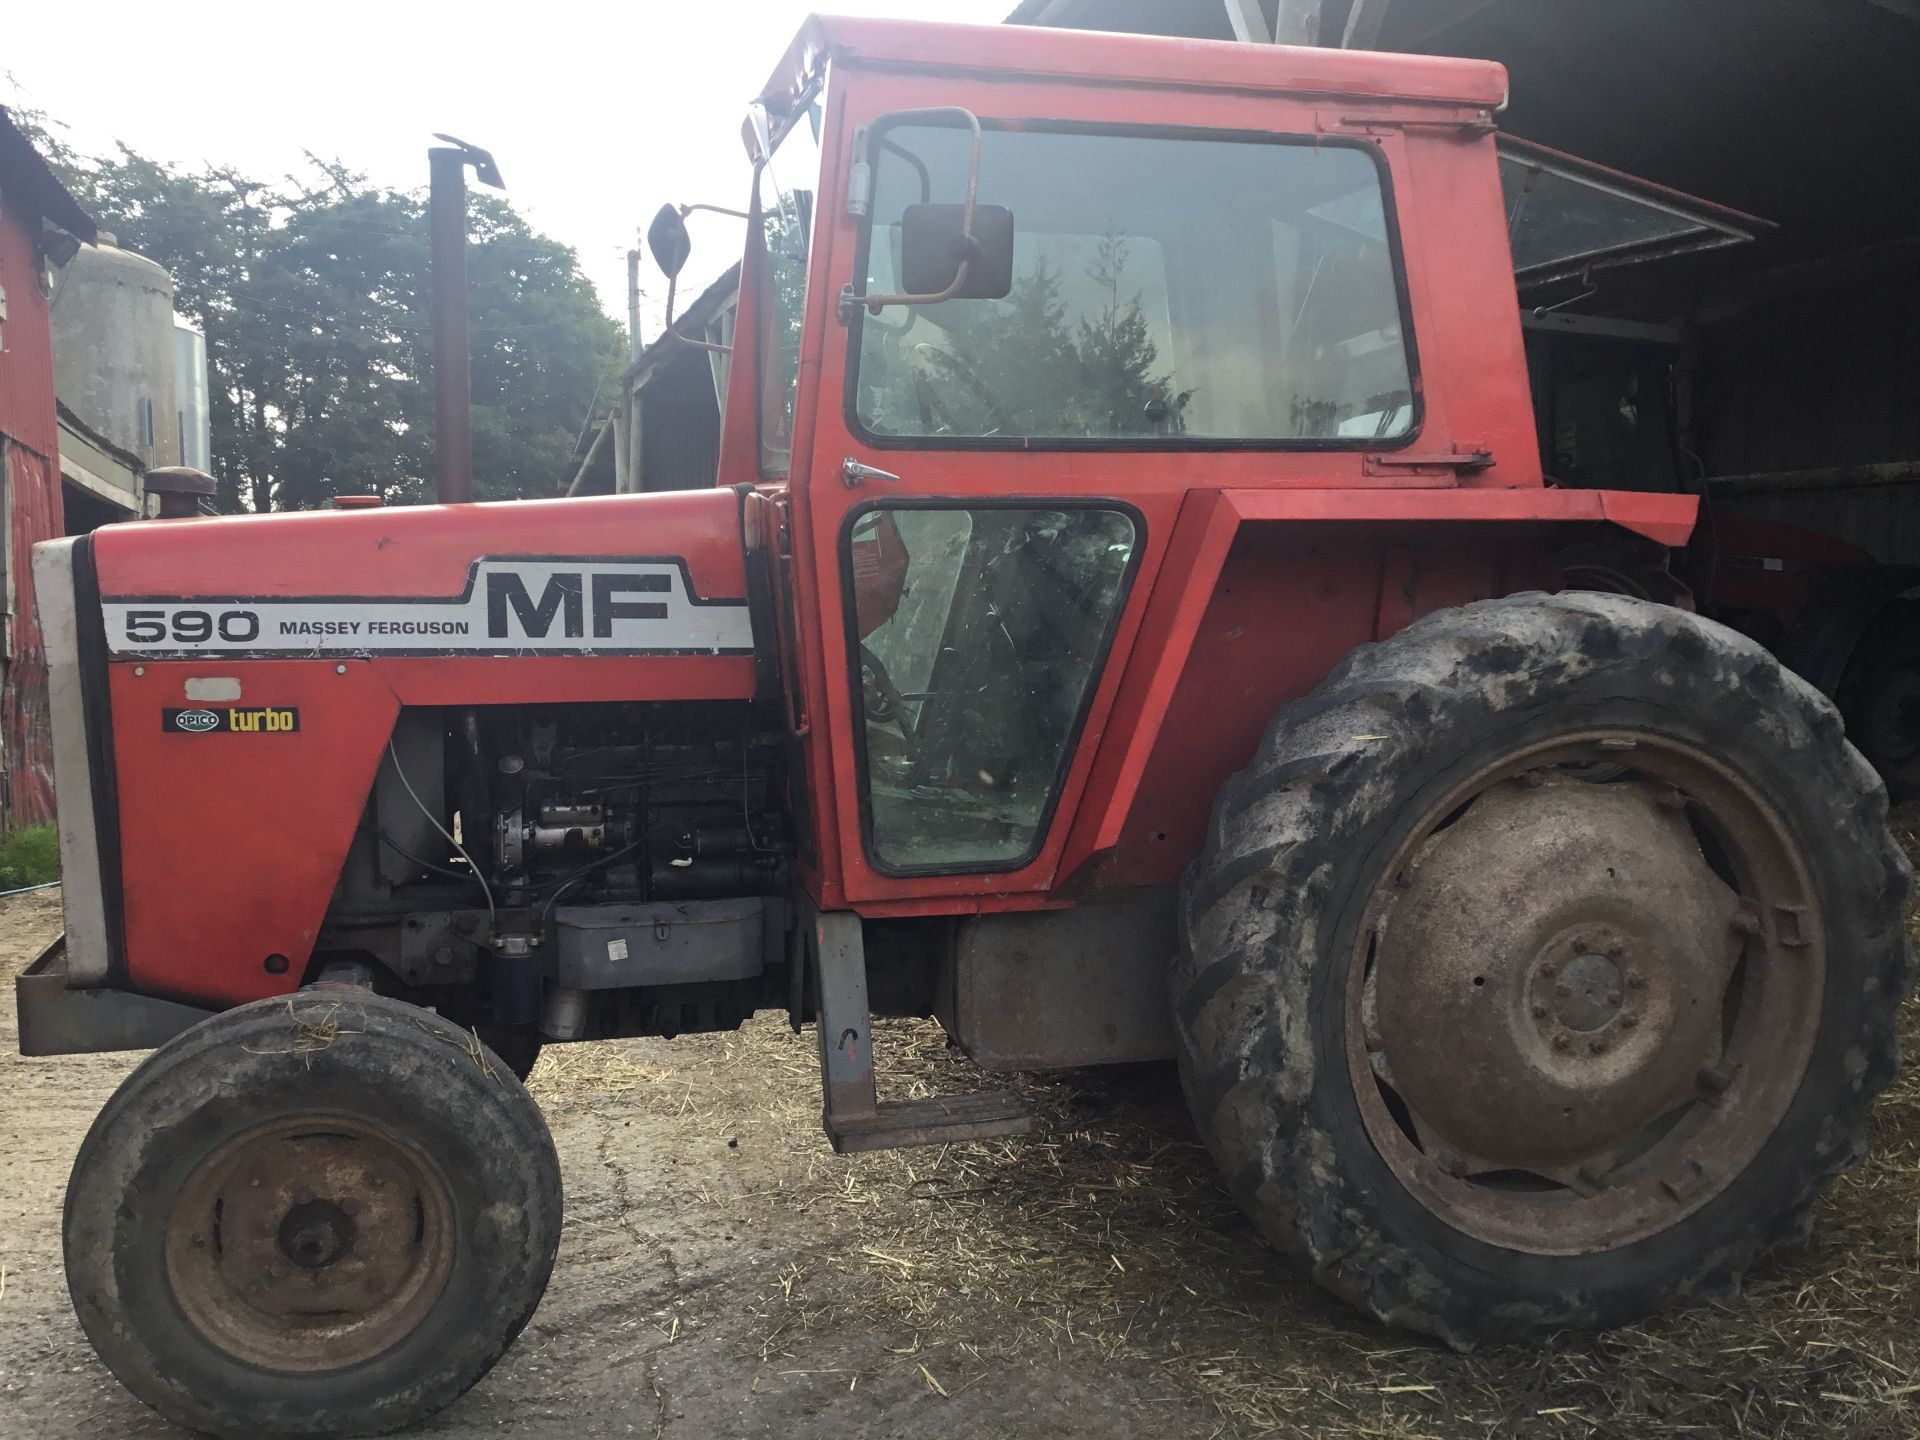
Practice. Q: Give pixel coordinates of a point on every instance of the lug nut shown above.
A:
(1629, 1022)
(1597, 1046)
(1539, 1009)
(1561, 1042)
(1635, 980)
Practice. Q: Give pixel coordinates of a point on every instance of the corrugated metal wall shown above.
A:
(33, 488)
(26, 347)
(1820, 374)
(1817, 374)
(1882, 519)
(29, 451)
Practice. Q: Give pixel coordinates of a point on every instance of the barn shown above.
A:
(40, 224)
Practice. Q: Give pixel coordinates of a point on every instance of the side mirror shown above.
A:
(934, 241)
(668, 241)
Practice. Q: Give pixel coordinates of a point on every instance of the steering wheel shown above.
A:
(884, 701)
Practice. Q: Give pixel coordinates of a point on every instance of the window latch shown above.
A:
(854, 473)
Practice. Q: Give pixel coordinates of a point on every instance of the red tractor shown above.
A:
(1125, 627)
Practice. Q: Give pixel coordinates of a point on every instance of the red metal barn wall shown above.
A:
(30, 470)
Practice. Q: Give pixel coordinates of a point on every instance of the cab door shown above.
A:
(967, 607)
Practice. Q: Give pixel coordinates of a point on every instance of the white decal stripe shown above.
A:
(511, 607)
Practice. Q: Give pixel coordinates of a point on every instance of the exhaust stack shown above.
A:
(452, 359)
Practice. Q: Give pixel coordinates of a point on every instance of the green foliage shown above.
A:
(314, 297)
(29, 856)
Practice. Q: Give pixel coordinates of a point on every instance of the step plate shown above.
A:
(897, 1124)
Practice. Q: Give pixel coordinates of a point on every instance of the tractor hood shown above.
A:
(626, 574)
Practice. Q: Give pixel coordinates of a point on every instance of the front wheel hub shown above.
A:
(310, 1243)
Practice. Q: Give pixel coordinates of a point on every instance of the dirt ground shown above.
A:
(722, 1273)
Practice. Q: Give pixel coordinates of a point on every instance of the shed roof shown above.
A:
(1799, 110)
(31, 185)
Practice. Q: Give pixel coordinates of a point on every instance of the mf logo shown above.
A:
(571, 600)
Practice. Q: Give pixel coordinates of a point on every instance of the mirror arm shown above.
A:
(673, 286)
(850, 302)
(673, 281)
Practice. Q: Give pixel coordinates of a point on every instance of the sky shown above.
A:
(597, 113)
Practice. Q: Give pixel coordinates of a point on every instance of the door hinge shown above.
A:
(1469, 461)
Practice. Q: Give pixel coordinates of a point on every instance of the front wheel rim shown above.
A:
(1573, 1041)
(310, 1243)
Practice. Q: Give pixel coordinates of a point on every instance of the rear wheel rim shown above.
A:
(310, 1243)
(1576, 1039)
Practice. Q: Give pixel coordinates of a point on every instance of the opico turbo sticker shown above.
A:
(231, 720)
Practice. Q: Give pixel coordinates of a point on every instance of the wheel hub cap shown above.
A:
(1585, 991)
(310, 1243)
(1546, 987)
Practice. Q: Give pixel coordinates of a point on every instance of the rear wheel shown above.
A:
(317, 1216)
(1540, 970)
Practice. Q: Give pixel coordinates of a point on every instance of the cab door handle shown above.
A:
(854, 473)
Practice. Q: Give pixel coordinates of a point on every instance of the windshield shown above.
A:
(788, 184)
(1166, 290)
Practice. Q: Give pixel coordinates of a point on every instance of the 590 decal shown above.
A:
(532, 606)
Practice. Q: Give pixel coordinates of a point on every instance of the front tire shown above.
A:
(1540, 970)
(322, 1215)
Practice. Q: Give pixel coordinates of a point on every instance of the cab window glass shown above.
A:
(1165, 290)
(789, 184)
(980, 634)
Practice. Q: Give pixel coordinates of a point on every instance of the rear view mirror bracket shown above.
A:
(970, 255)
(667, 238)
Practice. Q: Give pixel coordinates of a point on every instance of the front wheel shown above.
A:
(1540, 970)
(324, 1215)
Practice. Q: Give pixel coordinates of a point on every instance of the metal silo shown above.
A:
(113, 349)
(190, 394)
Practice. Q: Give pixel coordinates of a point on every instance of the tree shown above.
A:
(313, 294)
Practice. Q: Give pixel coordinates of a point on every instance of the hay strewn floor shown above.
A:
(1104, 1237)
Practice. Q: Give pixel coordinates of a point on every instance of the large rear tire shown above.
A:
(324, 1215)
(1540, 970)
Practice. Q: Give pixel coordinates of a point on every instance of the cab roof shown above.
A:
(1082, 55)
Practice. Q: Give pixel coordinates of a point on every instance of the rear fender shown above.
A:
(1261, 594)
